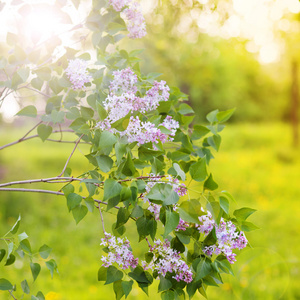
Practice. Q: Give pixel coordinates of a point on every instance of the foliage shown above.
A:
(142, 148)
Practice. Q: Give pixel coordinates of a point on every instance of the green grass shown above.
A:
(256, 164)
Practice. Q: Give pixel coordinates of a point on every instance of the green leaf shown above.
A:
(172, 221)
(164, 284)
(28, 111)
(10, 248)
(111, 189)
(39, 296)
(5, 285)
(203, 269)
(15, 228)
(118, 289)
(104, 162)
(163, 193)
(102, 274)
(223, 116)
(128, 168)
(45, 251)
(37, 83)
(243, 213)
(122, 123)
(73, 200)
(10, 260)
(214, 141)
(212, 116)
(168, 295)
(198, 170)
(122, 217)
(113, 274)
(120, 151)
(248, 226)
(44, 73)
(185, 109)
(35, 270)
(25, 245)
(137, 212)
(22, 236)
(101, 111)
(214, 208)
(2, 254)
(189, 211)
(107, 140)
(199, 131)
(44, 131)
(224, 203)
(23, 73)
(79, 212)
(179, 172)
(127, 286)
(57, 116)
(146, 227)
(140, 276)
(210, 184)
(25, 286)
(52, 266)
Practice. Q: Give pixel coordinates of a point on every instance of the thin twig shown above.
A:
(47, 180)
(148, 242)
(35, 90)
(24, 138)
(62, 172)
(12, 295)
(102, 221)
(35, 126)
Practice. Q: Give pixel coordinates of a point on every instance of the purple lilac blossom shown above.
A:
(122, 99)
(119, 252)
(77, 73)
(134, 18)
(167, 260)
(228, 237)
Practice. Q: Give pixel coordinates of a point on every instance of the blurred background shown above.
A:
(223, 54)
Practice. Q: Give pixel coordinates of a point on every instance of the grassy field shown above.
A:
(256, 164)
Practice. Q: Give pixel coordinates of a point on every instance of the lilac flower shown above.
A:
(118, 4)
(119, 252)
(77, 73)
(167, 260)
(135, 21)
(228, 237)
(182, 225)
(134, 18)
(124, 82)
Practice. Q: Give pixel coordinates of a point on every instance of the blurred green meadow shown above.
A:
(256, 164)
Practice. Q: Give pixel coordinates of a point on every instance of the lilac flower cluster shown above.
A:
(77, 73)
(119, 252)
(228, 237)
(167, 260)
(178, 188)
(133, 15)
(122, 99)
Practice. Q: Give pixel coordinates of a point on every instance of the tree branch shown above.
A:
(62, 172)
(46, 180)
(24, 138)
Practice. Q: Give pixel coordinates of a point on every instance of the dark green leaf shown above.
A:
(164, 284)
(79, 212)
(127, 286)
(122, 217)
(5, 285)
(118, 289)
(73, 200)
(111, 189)
(204, 268)
(210, 184)
(198, 170)
(137, 212)
(102, 274)
(214, 141)
(172, 221)
(168, 295)
(10, 260)
(185, 109)
(25, 245)
(199, 131)
(2, 254)
(107, 140)
(128, 168)
(105, 163)
(35, 270)
(189, 211)
(248, 226)
(113, 274)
